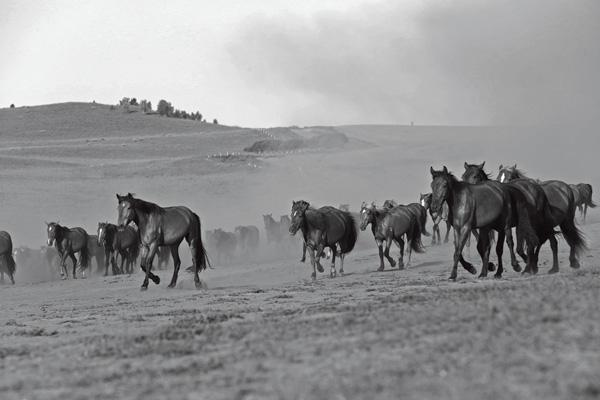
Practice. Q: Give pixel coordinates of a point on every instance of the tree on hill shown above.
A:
(133, 102)
(12, 106)
(145, 106)
(124, 101)
(164, 108)
(215, 121)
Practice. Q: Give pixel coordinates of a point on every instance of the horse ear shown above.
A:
(466, 165)
(500, 167)
(445, 170)
(432, 171)
(481, 165)
(515, 166)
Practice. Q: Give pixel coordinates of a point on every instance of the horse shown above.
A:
(487, 206)
(390, 225)
(68, 242)
(223, 243)
(118, 242)
(163, 226)
(321, 228)
(538, 213)
(425, 201)
(583, 198)
(95, 252)
(561, 202)
(7, 262)
(248, 238)
(272, 228)
(417, 209)
(162, 255)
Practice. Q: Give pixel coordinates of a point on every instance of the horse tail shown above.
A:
(201, 255)
(348, 241)
(11, 266)
(574, 237)
(84, 255)
(415, 240)
(527, 220)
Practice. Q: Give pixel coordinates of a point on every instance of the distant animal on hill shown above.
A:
(248, 238)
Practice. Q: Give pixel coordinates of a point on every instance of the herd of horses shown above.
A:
(474, 205)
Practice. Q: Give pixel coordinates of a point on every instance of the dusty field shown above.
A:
(263, 329)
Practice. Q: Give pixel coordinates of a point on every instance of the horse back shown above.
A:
(487, 202)
(399, 220)
(560, 198)
(78, 238)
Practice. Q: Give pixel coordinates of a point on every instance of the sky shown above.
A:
(266, 63)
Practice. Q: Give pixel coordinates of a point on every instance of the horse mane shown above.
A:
(519, 173)
(145, 206)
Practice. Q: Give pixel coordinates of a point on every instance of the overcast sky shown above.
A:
(276, 62)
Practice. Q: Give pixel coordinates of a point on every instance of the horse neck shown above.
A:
(141, 219)
(61, 232)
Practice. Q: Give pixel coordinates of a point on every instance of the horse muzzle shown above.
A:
(50, 242)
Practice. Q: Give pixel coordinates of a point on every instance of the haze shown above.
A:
(265, 63)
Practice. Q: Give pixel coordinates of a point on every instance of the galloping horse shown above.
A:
(417, 209)
(390, 225)
(538, 212)
(561, 202)
(485, 206)
(118, 242)
(321, 228)
(7, 262)
(168, 226)
(425, 201)
(69, 241)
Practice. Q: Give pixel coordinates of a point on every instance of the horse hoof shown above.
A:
(482, 276)
(452, 279)
(380, 269)
(320, 268)
(172, 285)
(302, 260)
(400, 267)
(553, 271)
(156, 280)
(575, 265)
(517, 268)
(332, 274)
(198, 285)
(341, 272)
(144, 288)
(491, 267)
(497, 276)
(471, 269)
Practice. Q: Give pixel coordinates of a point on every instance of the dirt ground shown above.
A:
(262, 328)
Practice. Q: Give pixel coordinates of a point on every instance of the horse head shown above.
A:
(507, 173)
(125, 209)
(441, 185)
(297, 215)
(474, 173)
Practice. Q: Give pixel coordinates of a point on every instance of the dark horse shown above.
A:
(583, 198)
(69, 241)
(390, 225)
(118, 242)
(425, 201)
(419, 211)
(321, 228)
(561, 201)
(487, 206)
(538, 212)
(7, 262)
(168, 226)
(272, 228)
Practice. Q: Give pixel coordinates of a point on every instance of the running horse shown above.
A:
(425, 201)
(163, 226)
(561, 202)
(326, 227)
(118, 242)
(7, 262)
(69, 241)
(488, 206)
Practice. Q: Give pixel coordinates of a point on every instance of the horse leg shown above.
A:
(63, 266)
(448, 226)
(318, 255)
(483, 247)
(386, 252)
(436, 231)
(511, 248)
(72, 255)
(332, 272)
(554, 247)
(460, 239)
(176, 264)
(303, 259)
(499, 251)
(106, 261)
(123, 254)
(313, 262)
(585, 207)
(380, 246)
